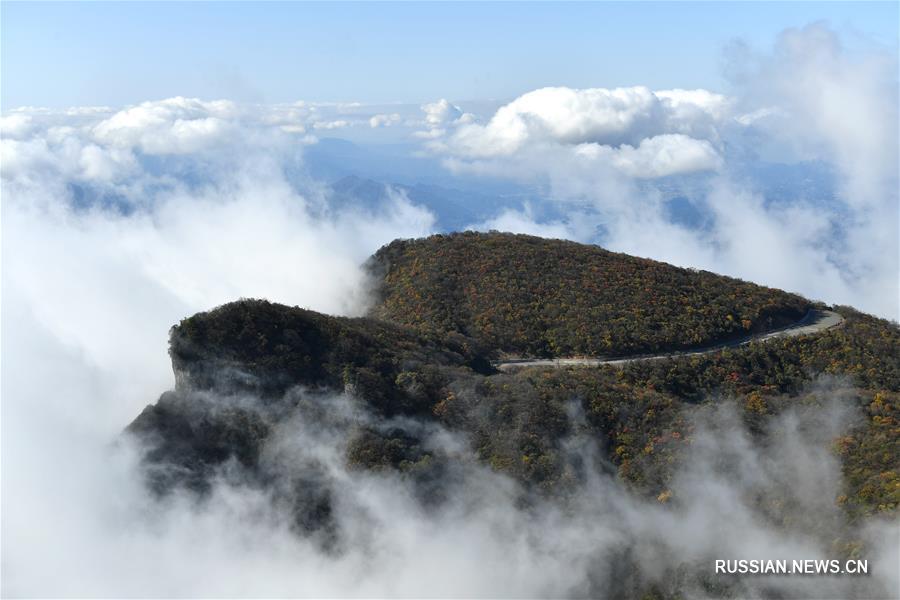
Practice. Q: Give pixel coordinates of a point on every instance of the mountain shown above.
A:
(264, 350)
(530, 296)
(270, 396)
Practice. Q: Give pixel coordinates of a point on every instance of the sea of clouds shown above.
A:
(118, 222)
(808, 99)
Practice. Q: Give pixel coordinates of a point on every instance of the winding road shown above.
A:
(814, 321)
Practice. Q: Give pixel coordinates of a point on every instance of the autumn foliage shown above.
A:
(530, 296)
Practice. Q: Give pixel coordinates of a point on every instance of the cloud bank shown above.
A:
(109, 537)
(115, 226)
(613, 158)
(640, 132)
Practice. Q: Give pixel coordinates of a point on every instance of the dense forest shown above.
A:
(421, 361)
(518, 420)
(529, 296)
(258, 346)
(643, 411)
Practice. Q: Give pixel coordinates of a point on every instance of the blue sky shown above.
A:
(120, 53)
(683, 132)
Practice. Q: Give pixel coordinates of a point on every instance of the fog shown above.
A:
(90, 291)
(87, 304)
(84, 515)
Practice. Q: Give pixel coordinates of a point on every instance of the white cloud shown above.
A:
(640, 132)
(339, 124)
(383, 120)
(217, 224)
(808, 99)
(15, 125)
(441, 113)
(439, 116)
(89, 294)
(524, 221)
(172, 126)
(94, 144)
(841, 107)
(99, 164)
(657, 156)
(689, 105)
(832, 105)
(598, 115)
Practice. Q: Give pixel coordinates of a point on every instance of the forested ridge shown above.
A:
(528, 296)
(426, 369)
(518, 420)
(267, 348)
(644, 409)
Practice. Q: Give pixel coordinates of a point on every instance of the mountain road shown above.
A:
(815, 321)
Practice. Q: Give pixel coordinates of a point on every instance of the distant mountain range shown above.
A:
(454, 209)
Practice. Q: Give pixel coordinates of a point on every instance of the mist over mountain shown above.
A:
(334, 424)
(684, 350)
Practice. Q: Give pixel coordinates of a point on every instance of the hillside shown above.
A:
(529, 296)
(254, 349)
(315, 409)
